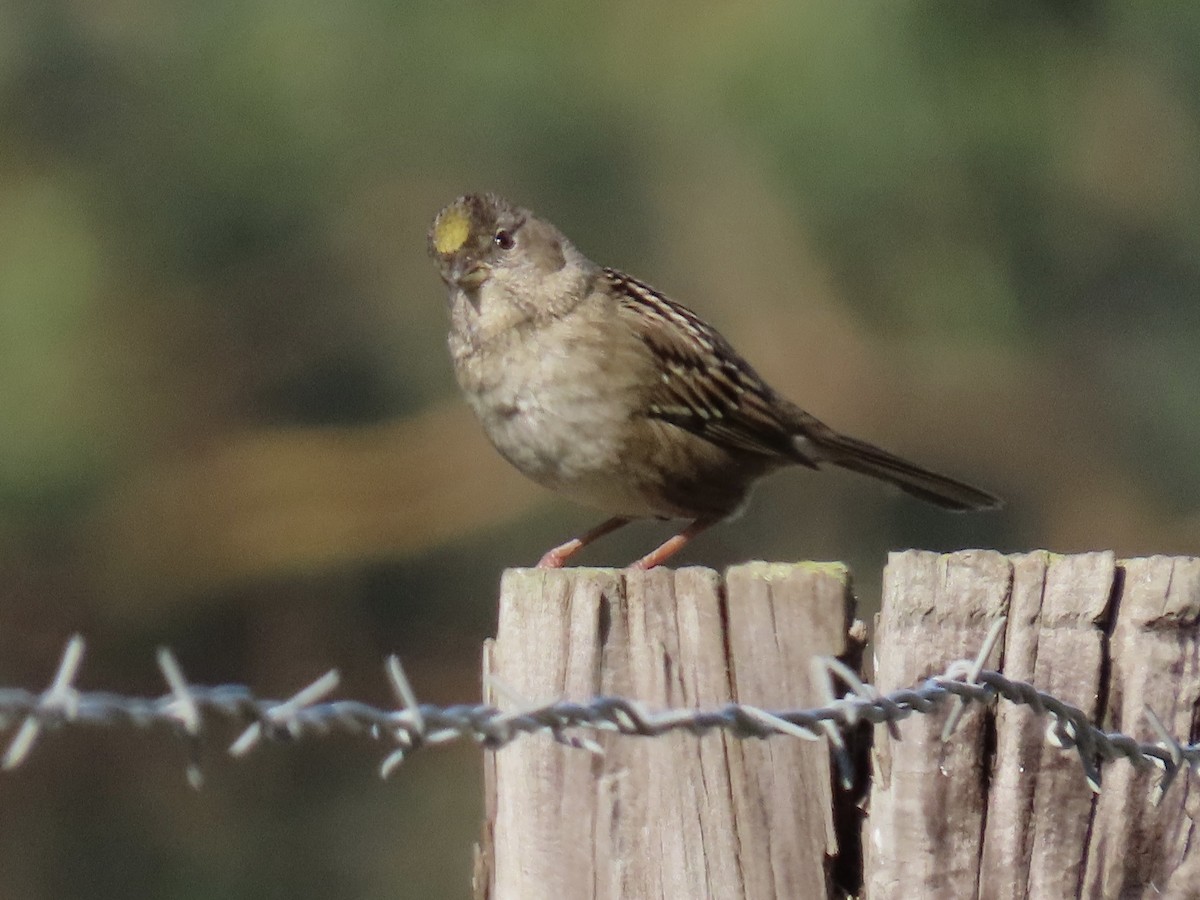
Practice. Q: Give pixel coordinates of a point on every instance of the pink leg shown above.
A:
(674, 545)
(556, 558)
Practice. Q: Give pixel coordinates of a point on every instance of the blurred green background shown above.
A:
(969, 232)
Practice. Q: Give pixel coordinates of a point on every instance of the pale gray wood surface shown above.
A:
(1039, 804)
(780, 617)
(924, 834)
(1109, 638)
(673, 816)
(1137, 849)
(995, 812)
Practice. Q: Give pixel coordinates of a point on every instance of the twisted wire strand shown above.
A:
(411, 725)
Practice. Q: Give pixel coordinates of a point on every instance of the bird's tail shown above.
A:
(867, 459)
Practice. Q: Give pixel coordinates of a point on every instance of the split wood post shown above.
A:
(675, 815)
(1039, 804)
(1136, 848)
(925, 827)
(995, 812)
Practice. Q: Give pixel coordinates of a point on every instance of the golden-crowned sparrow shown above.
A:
(595, 385)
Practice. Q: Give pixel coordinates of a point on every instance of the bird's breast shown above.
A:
(556, 405)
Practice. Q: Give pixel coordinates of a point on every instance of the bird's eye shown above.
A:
(504, 239)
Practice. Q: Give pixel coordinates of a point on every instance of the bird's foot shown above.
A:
(557, 558)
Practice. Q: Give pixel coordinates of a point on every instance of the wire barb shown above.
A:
(972, 674)
(60, 701)
(286, 714)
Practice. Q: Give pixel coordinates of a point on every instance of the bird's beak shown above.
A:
(469, 275)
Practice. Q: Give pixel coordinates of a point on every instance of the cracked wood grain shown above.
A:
(676, 816)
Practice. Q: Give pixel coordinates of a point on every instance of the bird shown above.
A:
(599, 387)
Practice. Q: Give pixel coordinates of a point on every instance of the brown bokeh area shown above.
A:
(229, 425)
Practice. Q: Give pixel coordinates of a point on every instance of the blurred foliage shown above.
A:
(969, 231)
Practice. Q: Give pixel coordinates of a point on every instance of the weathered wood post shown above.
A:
(992, 812)
(995, 812)
(926, 823)
(676, 815)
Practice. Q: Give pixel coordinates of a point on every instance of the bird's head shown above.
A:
(482, 243)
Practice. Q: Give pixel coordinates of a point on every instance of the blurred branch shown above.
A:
(262, 503)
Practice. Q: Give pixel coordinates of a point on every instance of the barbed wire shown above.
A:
(411, 725)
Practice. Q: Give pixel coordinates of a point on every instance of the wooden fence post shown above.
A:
(677, 815)
(994, 812)
(1039, 806)
(1108, 637)
(1137, 848)
(924, 832)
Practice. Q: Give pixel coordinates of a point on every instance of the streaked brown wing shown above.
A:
(706, 387)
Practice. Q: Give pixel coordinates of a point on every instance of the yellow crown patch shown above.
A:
(451, 231)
